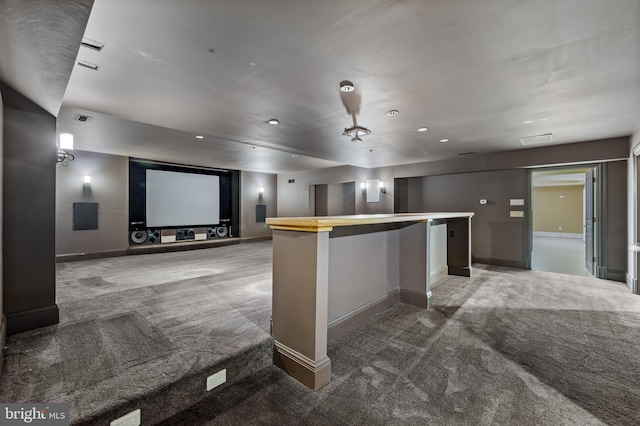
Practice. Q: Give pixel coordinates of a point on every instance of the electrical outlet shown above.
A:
(559, 228)
(217, 379)
(131, 419)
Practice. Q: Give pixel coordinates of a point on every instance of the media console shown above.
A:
(332, 273)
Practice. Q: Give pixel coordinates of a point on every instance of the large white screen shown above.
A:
(182, 199)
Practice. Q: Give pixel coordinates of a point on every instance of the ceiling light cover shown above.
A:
(66, 141)
(199, 137)
(393, 112)
(273, 121)
(346, 86)
(444, 140)
(423, 129)
(533, 140)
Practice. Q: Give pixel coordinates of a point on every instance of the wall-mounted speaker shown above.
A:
(185, 234)
(222, 231)
(153, 236)
(138, 237)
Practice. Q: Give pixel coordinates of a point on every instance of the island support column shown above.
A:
(300, 305)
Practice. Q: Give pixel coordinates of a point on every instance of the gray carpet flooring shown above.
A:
(506, 347)
(132, 326)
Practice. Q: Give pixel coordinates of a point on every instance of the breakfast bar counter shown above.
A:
(332, 273)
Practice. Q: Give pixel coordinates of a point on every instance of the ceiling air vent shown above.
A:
(535, 140)
(83, 117)
(92, 44)
(468, 153)
(89, 65)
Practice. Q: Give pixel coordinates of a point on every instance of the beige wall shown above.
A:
(558, 209)
(109, 187)
(249, 184)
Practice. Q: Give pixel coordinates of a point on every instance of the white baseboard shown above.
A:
(436, 276)
(557, 235)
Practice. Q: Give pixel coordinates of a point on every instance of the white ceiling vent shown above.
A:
(535, 140)
(83, 117)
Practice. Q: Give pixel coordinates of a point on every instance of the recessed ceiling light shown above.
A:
(253, 147)
(346, 86)
(253, 64)
(370, 150)
(393, 112)
(444, 140)
(199, 137)
(527, 122)
(273, 121)
(294, 155)
(543, 119)
(426, 153)
(423, 129)
(212, 50)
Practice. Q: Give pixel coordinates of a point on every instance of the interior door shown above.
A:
(588, 220)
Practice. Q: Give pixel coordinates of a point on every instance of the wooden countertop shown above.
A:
(327, 223)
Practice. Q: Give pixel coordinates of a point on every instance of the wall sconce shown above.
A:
(86, 184)
(64, 148)
(260, 192)
(363, 188)
(382, 188)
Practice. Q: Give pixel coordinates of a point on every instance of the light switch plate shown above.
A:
(516, 213)
(516, 202)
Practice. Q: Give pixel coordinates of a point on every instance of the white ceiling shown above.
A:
(473, 71)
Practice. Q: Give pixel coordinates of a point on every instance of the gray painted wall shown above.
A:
(334, 199)
(29, 153)
(250, 182)
(496, 238)
(2, 319)
(109, 187)
(293, 198)
(616, 217)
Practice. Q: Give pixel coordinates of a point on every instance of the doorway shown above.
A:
(563, 231)
(334, 199)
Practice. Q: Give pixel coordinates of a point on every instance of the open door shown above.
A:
(589, 220)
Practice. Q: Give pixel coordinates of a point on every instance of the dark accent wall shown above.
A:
(615, 207)
(497, 239)
(29, 179)
(3, 321)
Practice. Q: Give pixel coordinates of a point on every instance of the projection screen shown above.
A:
(182, 199)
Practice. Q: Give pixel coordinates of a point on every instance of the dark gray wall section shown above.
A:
(2, 319)
(408, 195)
(322, 200)
(109, 187)
(29, 181)
(496, 238)
(616, 220)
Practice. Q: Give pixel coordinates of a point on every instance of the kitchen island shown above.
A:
(332, 273)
